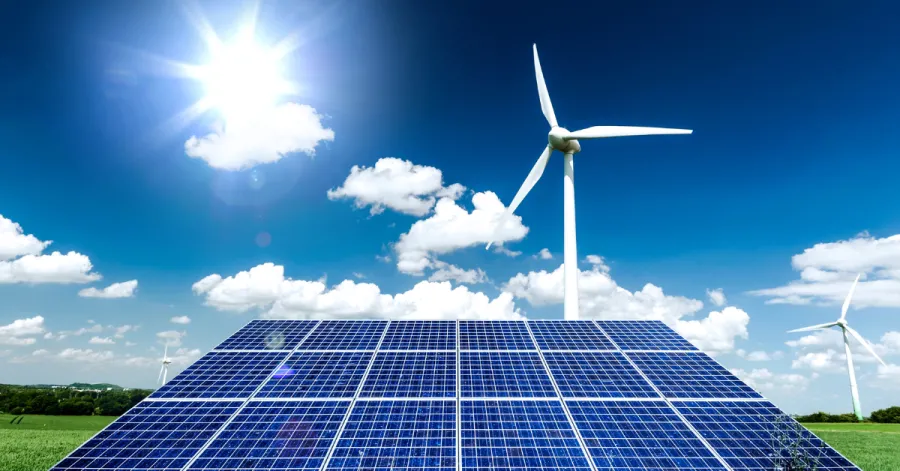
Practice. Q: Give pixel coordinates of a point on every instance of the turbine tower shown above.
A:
(566, 141)
(845, 329)
(164, 370)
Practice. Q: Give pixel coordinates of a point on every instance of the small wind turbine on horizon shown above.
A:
(566, 141)
(845, 329)
(164, 370)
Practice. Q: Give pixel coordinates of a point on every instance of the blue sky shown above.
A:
(785, 191)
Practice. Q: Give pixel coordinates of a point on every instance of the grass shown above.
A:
(873, 447)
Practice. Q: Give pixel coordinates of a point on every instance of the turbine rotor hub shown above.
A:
(557, 141)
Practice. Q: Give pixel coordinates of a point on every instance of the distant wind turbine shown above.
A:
(164, 370)
(566, 141)
(845, 329)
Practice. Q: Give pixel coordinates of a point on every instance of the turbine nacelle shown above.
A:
(559, 140)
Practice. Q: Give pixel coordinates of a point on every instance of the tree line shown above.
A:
(891, 415)
(18, 400)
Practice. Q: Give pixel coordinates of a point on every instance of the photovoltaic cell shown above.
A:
(690, 375)
(494, 335)
(268, 335)
(644, 335)
(398, 435)
(412, 374)
(597, 374)
(518, 435)
(756, 436)
(639, 435)
(420, 335)
(222, 375)
(345, 335)
(317, 374)
(152, 436)
(569, 335)
(503, 374)
(275, 436)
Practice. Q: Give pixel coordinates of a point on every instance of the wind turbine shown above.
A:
(845, 329)
(566, 141)
(164, 370)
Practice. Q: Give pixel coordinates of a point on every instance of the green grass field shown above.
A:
(40, 441)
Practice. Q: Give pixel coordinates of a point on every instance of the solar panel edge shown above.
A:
(458, 401)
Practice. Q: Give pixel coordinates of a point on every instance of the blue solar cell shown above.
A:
(268, 335)
(494, 335)
(504, 374)
(412, 374)
(518, 435)
(636, 435)
(644, 335)
(597, 374)
(420, 335)
(569, 335)
(275, 435)
(690, 375)
(317, 374)
(756, 436)
(345, 335)
(222, 375)
(398, 435)
(152, 436)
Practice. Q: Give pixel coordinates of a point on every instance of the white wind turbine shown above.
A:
(566, 141)
(845, 329)
(164, 370)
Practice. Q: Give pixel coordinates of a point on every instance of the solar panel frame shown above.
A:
(401, 335)
(263, 334)
(222, 374)
(569, 335)
(317, 374)
(644, 335)
(494, 335)
(397, 374)
(345, 335)
(690, 375)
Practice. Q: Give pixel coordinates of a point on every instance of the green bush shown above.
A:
(891, 415)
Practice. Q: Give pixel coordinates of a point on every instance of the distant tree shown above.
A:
(891, 415)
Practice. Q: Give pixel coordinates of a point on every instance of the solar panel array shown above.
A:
(454, 396)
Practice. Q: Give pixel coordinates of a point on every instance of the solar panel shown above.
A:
(152, 435)
(635, 435)
(268, 335)
(494, 335)
(597, 374)
(317, 374)
(222, 375)
(644, 335)
(398, 435)
(518, 435)
(570, 335)
(503, 374)
(345, 335)
(275, 436)
(690, 375)
(420, 335)
(412, 374)
(756, 436)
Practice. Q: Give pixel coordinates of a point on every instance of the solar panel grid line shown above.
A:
(672, 406)
(495, 335)
(614, 399)
(596, 374)
(353, 335)
(562, 401)
(343, 424)
(499, 374)
(299, 399)
(569, 335)
(690, 375)
(483, 350)
(458, 402)
(268, 335)
(242, 327)
(414, 351)
(715, 399)
(421, 335)
(324, 375)
(508, 398)
(191, 399)
(655, 351)
(399, 398)
(238, 350)
(651, 335)
(244, 404)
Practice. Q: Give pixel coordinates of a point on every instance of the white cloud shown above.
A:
(116, 290)
(61, 268)
(759, 355)
(452, 227)
(717, 332)
(827, 271)
(180, 320)
(823, 351)
(397, 184)
(123, 329)
(448, 272)
(101, 341)
(716, 296)
(15, 243)
(265, 287)
(888, 377)
(359, 276)
(285, 129)
(502, 250)
(544, 254)
(171, 338)
(764, 380)
(85, 355)
(22, 331)
(130, 344)
(93, 329)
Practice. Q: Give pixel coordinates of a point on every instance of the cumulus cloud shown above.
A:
(22, 331)
(823, 350)
(101, 341)
(85, 355)
(265, 287)
(452, 227)
(396, 184)
(180, 320)
(121, 330)
(764, 380)
(57, 267)
(447, 272)
(171, 338)
(827, 271)
(285, 129)
(15, 243)
(116, 290)
(716, 297)
(759, 355)
(544, 254)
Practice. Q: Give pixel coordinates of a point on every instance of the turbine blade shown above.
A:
(546, 106)
(846, 305)
(814, 327)
(158, 378)
(865, 343)
(527, 185)
(597, 132)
